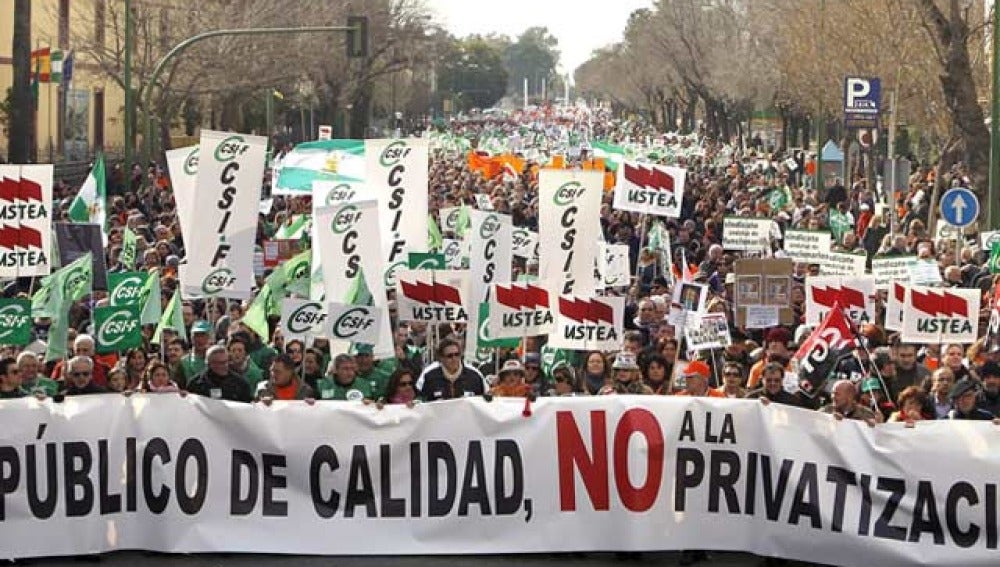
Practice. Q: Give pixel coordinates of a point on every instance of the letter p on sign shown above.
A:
(857, 89)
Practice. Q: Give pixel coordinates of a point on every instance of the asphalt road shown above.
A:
(716, 559)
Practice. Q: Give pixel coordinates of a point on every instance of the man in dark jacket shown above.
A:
(963, 400)
(450, 377)
(773, 389)
(989, 398)
(80, 377)
(217, 381)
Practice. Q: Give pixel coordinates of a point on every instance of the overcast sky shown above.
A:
(580, 26)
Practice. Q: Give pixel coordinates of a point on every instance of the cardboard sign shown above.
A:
(764, 282)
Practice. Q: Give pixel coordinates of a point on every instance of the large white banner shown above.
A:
(490, 261)
(182, 165)
(396, 170)
(186, 475)
(569, 208)
(941, 316)
(25, 220)
(650, 189)
(224, 217)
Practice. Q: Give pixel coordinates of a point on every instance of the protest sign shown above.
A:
(396, 172)
(524, 243)
(843, 264)
(569, 208)
(230, 169)
(807, 246)
(746, 234)
(117, 328)
(854, 294)
(706, 331)
(16, 322)
(26, 211)
(939, 316)
(433, 296)
(520, 309)
(182, 164)
(763, 282)
(594, 323)
(650, 189)
(889, 269)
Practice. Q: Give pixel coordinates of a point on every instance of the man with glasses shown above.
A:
(79, 377)
(450, 377)
(83, 345)
(10, 380)
(218, 381)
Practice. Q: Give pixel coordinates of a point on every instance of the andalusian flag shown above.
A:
(322, 160)
(89, 205)
(994, 263)
(130, 249)
(612, 154)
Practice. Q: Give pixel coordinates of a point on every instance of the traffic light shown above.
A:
(357, 36)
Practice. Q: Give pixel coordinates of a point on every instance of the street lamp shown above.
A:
(357, 46)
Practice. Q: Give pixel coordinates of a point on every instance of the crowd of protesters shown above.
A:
(884, 379)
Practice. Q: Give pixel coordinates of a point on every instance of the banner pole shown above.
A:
(642, 242)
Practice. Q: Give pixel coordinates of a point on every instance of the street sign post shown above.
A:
(960, 208)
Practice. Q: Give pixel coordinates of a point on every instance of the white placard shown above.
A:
(807, 246)
(746, 234)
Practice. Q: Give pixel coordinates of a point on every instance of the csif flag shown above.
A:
(16, 321)
(117, 328)
(819, 354)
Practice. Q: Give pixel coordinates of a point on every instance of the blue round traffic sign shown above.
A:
(959, 207)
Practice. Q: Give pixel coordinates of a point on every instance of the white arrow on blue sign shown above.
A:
(959, 207)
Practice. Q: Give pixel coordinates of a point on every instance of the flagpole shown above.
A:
(642, 242)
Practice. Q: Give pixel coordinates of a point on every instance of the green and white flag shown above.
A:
(322, 160)
(172, 318)
(612, 154)
(71, 283)
(116, 328)
(41, 299)
(125, 288)
(130, 249)
(994, 263)
(141, 289)
(89, 205)
(15, 321)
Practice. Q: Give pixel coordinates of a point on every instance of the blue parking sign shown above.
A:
(862, 101)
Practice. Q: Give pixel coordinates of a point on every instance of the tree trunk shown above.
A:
(952, 36)
(22, 122)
